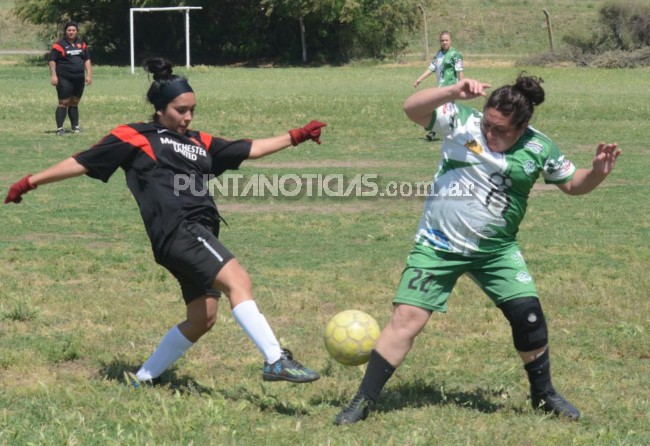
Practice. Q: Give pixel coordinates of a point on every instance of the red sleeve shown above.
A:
(56, 52)
(227, 155)
(111, 152)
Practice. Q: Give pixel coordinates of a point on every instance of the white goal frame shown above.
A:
(169, 8)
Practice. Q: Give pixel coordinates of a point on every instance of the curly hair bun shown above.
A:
(160, 68)
(530, 86)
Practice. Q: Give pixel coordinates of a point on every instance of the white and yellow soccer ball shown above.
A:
(350, 336)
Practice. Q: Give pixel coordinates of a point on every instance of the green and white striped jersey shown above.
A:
(479, 197)
(446, 66)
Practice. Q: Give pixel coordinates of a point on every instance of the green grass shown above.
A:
(81, 299)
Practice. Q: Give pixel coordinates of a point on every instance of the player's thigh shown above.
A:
(505, 276)
(428, 278)
(64, 89)
(195, 257)
(78, 86)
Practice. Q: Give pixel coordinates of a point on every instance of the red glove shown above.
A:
(310, 131)
(19, 188)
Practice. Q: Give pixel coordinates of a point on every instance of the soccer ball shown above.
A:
(350, 336)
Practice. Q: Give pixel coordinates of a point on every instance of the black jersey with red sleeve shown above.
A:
(166, 172)
(69, 58)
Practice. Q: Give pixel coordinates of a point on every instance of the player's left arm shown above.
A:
(586, 180)
(266, 146)
(458, 67)
(89, 71)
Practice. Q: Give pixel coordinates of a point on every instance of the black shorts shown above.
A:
(195, 256)
(69, 87)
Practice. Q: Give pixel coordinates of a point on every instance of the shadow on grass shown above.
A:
(170, 379)
(183, 384)
(422, 394)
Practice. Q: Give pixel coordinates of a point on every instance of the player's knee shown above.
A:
(528, 324)
(407, 321)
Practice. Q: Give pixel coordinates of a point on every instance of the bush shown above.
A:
(623, 59)
(621, 41)
(624, 25)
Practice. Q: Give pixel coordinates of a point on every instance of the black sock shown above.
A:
(377, 374)
(60, 116)
(73, 114)
(539, 374)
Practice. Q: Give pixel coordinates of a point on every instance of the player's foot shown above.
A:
(76, 129)
(553, 402)
(132, 379)
(356, 411)
(288, 369)
(60, 131)
(431, 136)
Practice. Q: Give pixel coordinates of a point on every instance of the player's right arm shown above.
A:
(54, 79)
(67, 168)
(420, 106)
(422, 77)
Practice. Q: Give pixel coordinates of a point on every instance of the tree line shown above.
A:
(235, 31)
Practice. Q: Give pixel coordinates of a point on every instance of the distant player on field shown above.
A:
(70, 71)
(494, 157)
(448, 66)
(167, 166)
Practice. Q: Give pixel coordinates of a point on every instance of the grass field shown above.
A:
(81, 299)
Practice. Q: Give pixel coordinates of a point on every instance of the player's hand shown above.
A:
(471, 88)
(605, 158)
(54, 80)
(309, 131)
(18, 189)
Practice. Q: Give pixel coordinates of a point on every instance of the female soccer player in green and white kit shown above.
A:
(494, 159)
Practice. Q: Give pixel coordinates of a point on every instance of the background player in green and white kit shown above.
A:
(448, 66)
(490, 162)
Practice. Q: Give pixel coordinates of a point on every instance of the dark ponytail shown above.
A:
(518, 100)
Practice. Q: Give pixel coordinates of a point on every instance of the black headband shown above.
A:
(168, 92)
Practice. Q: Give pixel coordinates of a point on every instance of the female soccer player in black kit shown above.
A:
(70, 72)
(160, 159)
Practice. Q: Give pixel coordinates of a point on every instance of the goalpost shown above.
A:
(169, 8)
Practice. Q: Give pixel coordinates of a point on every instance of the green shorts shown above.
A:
(430, 276)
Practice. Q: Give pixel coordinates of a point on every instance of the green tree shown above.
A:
(236, 30)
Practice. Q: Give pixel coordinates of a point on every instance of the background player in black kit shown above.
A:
(160, 159)
(70, 72)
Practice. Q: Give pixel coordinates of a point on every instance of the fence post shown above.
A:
(550, 29)
(426, 34)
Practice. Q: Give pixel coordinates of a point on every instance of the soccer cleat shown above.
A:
(132, 379)
(60, 131)
(288, 369)
(76, 129)
(356, 411)
(553, 402)
(431, 136)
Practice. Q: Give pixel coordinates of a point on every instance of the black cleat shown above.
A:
(288, 369)
(553, 402)
(60, 131)
(356, 411)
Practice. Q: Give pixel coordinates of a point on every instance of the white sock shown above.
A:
(172, 347)
(257, 328)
